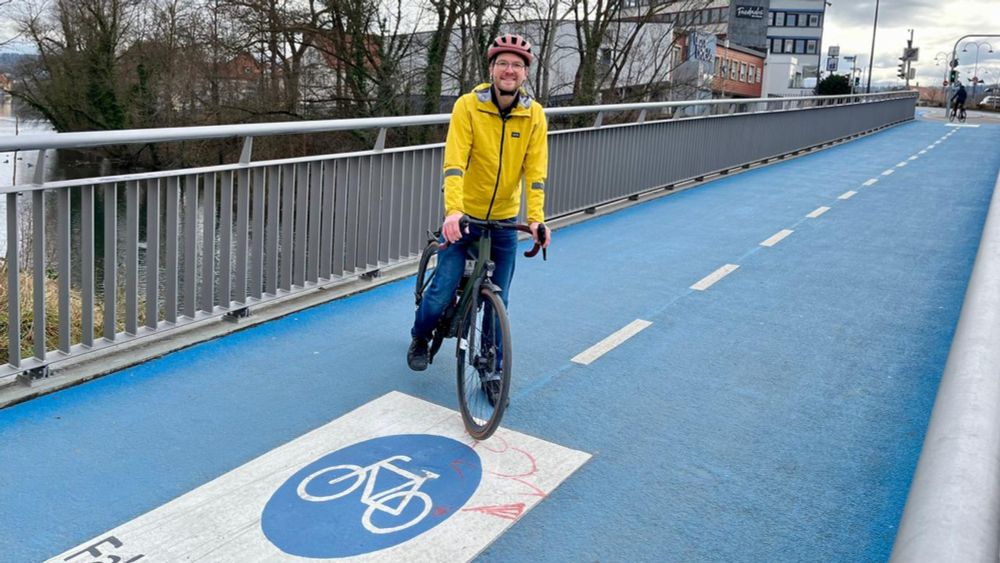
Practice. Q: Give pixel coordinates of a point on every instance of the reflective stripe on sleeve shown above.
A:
(538, 186)
(453, 172)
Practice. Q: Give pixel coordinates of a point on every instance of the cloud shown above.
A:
(936, 27)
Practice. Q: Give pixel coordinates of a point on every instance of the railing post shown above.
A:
(247, 152)
(13, 285)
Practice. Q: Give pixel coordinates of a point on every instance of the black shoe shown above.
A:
(492, 390)
(417, 356)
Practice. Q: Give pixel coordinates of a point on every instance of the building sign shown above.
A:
(834, 51)
(701, 47)
(752, 12)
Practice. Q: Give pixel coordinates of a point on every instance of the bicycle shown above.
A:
(478, 319)
(379, 501)
(956, 113)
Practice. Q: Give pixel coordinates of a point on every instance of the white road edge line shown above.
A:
(847, 194)
(870, 182)
(777, 237)
(817, 212)
(611, 342)
(709, 280)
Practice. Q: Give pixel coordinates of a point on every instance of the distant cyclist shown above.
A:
(958, 100)
(498, 136)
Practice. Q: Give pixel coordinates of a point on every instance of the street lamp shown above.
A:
(975, 69)
(944, 87)
(871, 59)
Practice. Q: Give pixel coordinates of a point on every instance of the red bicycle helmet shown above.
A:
(510, 43)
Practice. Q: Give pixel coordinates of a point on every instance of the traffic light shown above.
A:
(953, 76)
(902, 68)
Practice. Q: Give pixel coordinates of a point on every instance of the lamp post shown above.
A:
(871, 59)
(975, 68)
(819, 43)
(944, 84)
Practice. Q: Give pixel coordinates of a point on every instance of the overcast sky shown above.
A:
(936, 26)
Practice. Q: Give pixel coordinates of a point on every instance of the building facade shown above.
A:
(788, 32)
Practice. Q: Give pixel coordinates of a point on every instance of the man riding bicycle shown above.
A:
(958, 100)
(498, 136)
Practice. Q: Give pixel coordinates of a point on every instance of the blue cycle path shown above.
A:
(776, 416)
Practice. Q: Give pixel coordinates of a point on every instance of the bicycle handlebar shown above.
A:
(543, 232)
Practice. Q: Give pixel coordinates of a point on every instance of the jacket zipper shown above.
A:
(496, 186)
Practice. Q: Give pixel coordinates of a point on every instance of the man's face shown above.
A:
(508, 72)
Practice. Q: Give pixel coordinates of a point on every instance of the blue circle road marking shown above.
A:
(371, 495)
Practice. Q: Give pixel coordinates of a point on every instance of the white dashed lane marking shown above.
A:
(777, 237)
(611, 342)
(901, 164)
(709, 280)
(847, 194)
(870, 182)
(817, 212)
(887, 172)
(914, 157)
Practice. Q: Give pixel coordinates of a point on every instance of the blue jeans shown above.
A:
(451, 264)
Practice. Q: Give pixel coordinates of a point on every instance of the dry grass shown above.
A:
(27, 325)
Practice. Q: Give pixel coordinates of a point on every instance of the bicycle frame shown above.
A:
(480, 274)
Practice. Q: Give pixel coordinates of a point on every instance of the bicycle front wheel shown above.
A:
(484, 362)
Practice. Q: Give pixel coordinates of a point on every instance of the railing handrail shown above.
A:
(90, 139)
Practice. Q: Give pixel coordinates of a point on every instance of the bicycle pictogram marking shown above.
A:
(371, 495)
(375, 501)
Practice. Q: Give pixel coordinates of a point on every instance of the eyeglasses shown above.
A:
(505, 65)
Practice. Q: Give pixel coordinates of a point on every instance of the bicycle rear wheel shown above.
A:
(425, 270)
(484, 354)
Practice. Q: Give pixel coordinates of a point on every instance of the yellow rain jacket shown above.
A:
(485, 153)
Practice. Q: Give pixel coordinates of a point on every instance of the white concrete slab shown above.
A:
(396, 479)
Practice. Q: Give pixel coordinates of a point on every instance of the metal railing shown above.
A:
(218, 240)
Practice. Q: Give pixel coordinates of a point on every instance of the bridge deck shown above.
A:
(776, 415)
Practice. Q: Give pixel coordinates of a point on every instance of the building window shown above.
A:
(800, 46)
(770, 19)
(791, 20)
(734, 69)
(751, 73)
(743, 72)
(811, 46)
(789, 46)
(723, 14)
(779, 19)
(813, 20)
(759, 73)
